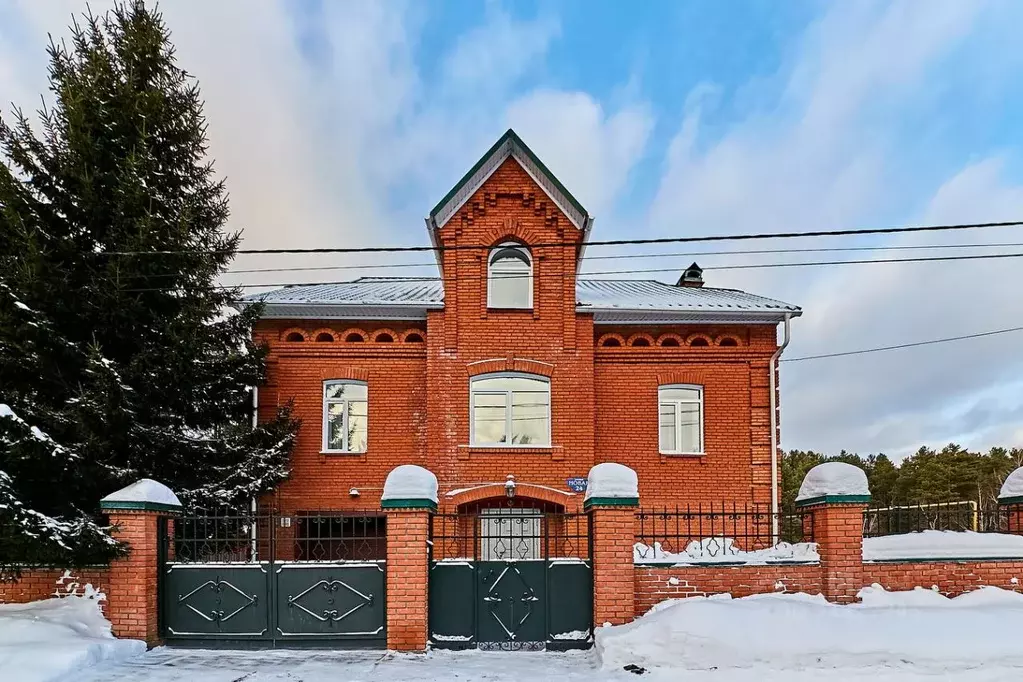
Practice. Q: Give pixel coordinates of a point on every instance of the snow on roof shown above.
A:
(144, 490)
(1013, 486)
(833, 478)
(410, 482)
(610, 300)
(612, 480)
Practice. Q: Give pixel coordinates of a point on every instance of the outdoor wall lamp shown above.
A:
(354, 492)
(509, 486)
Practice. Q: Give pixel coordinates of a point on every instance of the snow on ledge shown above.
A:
(833, 478)
(943, 544)
(410, 482)
(612, 480)
(144, 491)
(1012, 488)
(720, 550)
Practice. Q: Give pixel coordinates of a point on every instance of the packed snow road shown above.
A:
(179, 665)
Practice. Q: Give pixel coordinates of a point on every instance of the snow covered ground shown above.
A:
(50, 639)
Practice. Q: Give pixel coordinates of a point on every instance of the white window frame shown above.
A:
(677, 403)
(515, 246)
(327, 402)
(507, 409)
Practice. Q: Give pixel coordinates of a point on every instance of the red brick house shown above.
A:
(510, 364)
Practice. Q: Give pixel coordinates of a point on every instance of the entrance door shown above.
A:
(516, 578)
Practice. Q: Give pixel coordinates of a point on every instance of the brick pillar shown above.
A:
(132, 599)
(614, 532)
(838, 532)
(408, 532)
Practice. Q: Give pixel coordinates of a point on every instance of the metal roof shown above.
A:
(624, 301)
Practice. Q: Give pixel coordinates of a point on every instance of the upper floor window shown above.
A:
(680, 419)
(510, 277)
(510, 409)
(344, 416)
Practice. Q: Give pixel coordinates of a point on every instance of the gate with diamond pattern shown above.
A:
(268, 579)
(511, 578)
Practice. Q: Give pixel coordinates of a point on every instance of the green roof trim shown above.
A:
(1010, 500)
(833, 499)
(114, 505)
(516, 141)
(611, 502)
(409, 503)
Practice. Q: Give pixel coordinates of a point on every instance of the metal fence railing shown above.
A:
(719, 531)
(954, 516)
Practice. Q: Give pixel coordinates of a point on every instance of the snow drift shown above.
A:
(49, 639)
(943, 544)
(919, 628)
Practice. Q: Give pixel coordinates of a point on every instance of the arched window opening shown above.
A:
(699, 342)
(729, 342)
(611, 342)
(510, 409)
(669, 342)
(510, 277)
(413, 338)
(384, 337)
(294, 337)
(640, 342)
(354, 337)
(324, 337)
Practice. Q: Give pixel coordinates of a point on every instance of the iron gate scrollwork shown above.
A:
(273, 579)
(511, 578)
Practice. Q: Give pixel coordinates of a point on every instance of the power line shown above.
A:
(586, 275)
(606, 242)
(903, 345)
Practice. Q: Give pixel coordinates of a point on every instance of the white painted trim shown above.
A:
(677, 404)
(521, 248)
(325, 430)
(508, 411)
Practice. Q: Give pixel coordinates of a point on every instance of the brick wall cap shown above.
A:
(409, 503)
(611, 502)
(1006, 501)
(1012, 488)
(611, 480)
(143, 495)
(833, 499)
(833, 478)
(410, 482)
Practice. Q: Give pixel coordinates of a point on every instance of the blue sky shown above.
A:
(344, 122)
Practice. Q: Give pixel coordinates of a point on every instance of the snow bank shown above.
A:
(410, 482)
(50, 639)
(833, 478)
(144, 490)
(1012, 487)
(943, 544)
(724, 551)
(612, 480)
(900, 629)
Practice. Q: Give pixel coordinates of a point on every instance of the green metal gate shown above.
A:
(511, 578)
(308, 579)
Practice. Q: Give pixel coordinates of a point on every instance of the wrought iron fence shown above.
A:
(722, 532)
(954, 516)
(507, 534)
(233, 536)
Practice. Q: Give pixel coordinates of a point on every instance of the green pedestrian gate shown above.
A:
(511, 578)
(270, 580)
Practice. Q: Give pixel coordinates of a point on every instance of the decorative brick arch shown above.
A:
(680, 377)
(294, 330)
(315, 336)
(640, 337)
(395, 336)
(522, 490)
(511, 230)
(618, 337)
(727, 337)
(522, 365)
(694, 337)
(353, 330)
(413, 332)
(663, 338)
(348, 373)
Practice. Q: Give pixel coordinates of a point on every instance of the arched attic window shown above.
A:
(294, 337)
(510, 277)
(324, 337)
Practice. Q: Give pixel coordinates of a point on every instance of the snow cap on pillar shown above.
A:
(834, 483)
(1012, 489)
(612, 484)
(142, 495)
(409, 487)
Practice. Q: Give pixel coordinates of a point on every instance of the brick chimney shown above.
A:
(691, 277)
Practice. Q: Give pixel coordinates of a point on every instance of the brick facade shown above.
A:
(407, 578)
(603, 399)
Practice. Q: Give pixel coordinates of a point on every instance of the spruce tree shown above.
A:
(120, 356)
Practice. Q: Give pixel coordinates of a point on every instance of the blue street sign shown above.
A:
(577, 484)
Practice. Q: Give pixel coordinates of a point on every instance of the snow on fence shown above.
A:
(722, 533)
(964, 515)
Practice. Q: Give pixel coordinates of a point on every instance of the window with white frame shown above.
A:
(680, 419)
(510, 410)
(344, 416)
(510, 277)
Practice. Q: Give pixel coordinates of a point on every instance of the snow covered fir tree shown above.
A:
(120, 357)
